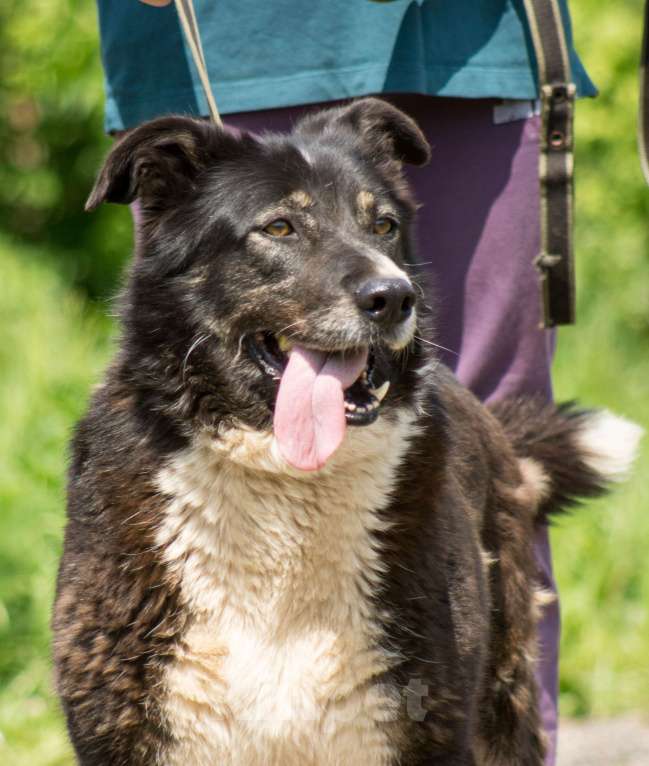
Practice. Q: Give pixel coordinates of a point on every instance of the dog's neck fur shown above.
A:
(280, 570)
(235, 503)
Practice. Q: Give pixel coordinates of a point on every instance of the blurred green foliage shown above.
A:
(52, 141)
(56, 261)
(52, 348)
(600, 553)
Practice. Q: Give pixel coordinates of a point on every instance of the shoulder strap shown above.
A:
(557, 93)
(643, 111)
(187, 15)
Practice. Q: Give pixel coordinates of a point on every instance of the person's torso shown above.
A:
(266, 55)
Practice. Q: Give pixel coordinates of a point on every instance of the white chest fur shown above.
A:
(278, 570)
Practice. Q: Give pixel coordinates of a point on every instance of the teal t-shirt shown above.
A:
(264, 54)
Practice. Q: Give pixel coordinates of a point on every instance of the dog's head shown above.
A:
(271, 273)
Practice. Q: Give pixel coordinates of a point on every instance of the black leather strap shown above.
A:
(557, 93)
(643, 111)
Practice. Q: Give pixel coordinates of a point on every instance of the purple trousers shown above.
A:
(478, 233)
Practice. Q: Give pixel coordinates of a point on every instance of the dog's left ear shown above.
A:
(157, 161)
(385, 131)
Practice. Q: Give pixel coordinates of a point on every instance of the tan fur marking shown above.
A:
(487, 559)
(301, 199)
(540, 599)
(365, 207)
(535, 486)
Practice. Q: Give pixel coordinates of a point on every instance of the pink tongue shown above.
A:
(310, 408)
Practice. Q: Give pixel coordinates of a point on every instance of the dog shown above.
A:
(293, 538)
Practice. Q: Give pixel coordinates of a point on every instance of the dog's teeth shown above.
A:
(350, 406)
(381, 391)
(284, 344)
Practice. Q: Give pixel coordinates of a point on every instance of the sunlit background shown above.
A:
(59, 268)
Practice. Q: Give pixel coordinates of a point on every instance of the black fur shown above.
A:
(203, 280)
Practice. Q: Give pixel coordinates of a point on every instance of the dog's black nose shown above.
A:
(386, 301)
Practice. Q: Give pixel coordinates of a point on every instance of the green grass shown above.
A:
(53, 346)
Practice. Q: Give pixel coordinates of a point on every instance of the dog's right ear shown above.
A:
(156, 161)
(386, 132)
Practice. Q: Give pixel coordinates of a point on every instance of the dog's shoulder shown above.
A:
(120, 442)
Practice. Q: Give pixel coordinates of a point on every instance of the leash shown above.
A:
(187, 16)
(643, 110)
(555, 262)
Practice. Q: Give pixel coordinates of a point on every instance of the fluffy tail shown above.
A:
(575, 453)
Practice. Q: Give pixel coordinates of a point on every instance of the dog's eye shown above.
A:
(383, 226)
(279, 228)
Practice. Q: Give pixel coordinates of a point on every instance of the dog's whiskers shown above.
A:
(195, 344)
(239, 348)
(420, 289)
(436, 345)
(402, 356)
(288, 326)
